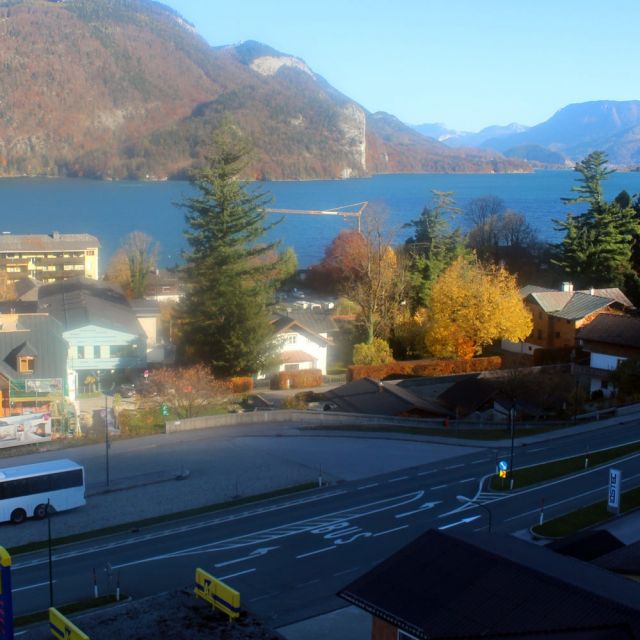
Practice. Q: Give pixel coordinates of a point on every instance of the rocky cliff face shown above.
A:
(127, 89)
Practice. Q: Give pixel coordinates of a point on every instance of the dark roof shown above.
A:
(313, 319)
(287, 324)
(612, 328)
(43, 242)
(468, 395)
(574, 305)
(39, 336)
(385, 399)
(472, 585)
(80, 302)
(144, 308)
(587, 545)
(625, 559)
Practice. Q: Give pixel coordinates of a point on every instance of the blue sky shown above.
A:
(466, 63)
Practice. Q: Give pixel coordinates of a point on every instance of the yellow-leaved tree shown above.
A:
(472, 305)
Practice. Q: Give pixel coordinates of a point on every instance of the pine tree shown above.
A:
(231, 275)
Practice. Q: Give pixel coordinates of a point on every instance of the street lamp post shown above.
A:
(511, 427)
(466, 500)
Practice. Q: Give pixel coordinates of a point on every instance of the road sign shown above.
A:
(615, 486)
(6, 602)
(503, 467)
(62, 628)
(164, 409)
(217, 593)
(146, 373)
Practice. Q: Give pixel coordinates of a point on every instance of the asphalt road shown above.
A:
(288, 557)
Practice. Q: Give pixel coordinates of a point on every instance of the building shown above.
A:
(106, 339)
(557, 315)
(488, 585)
(49, 258)
(609, 340)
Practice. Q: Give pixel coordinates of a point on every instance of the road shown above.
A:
(288, 557)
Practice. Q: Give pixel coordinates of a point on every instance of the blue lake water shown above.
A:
(110, 210)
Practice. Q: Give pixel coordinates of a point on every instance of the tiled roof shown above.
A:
(486, 585)
(52, 242)
(611, 328)
(574, 305)
(80, 302)
(582, 305)
(287, 324)
(294, 356)
(314, 320)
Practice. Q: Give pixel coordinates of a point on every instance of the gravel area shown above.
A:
(177, 615)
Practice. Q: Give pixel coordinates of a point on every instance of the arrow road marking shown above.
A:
(255, 554)
(455, 524)
(425, 507)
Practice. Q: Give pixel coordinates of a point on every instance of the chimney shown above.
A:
(567, 286)
(592, 291)
(55, 235)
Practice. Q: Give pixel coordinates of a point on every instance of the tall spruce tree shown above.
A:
(597, 246)
(231, 275)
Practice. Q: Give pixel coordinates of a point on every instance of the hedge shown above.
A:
(299, 379)
(425, 368)
(241, 384)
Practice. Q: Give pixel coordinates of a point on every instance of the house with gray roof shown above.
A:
(558, 315)
(106, 339)
(49, 257)
(33, 372)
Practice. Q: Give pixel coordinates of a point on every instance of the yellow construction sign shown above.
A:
(217, 593)
(64, 629)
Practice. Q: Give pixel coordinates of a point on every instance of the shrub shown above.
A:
(423, 368)
(300, 379)
(241, 384)
(377, 352)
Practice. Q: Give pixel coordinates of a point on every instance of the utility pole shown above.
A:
(511, 425)
(106, 437)
(50, 553)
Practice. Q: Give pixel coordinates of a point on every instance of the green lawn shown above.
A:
(589, 516)
(550, 470)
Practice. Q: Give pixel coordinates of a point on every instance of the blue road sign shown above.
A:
(503, 465)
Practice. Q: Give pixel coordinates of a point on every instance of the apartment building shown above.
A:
(49, 258)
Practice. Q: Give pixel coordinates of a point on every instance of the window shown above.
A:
(96, 351)
(540, 334)
(80, 349)
(26, 364)
(291, 367)
(121, 351)
(40, 484)
(291, 338)
(91, 252)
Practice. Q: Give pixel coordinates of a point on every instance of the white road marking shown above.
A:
(440, 486)
(426, 473)
(398, 479)
(384, 533)
(478, 461)
(313, 553)
(368, 486)
(455, 524)
(32, 586)
(266, 595)
(341, 573)
(306, 584)
(538, 449)
(257, 537)
(455, 466)
(425, 507)
(467, 480)
(233, 575)
(255, 554)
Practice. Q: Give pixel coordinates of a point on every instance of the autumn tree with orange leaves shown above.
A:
(472, 305)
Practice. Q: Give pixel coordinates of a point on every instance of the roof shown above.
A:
(287, 324)
(37, 335)
(381, 398)
(574, 305)
(315, 320)
(80, 302)
(468, 395)
(52, 242)
(49, 466)
(587, 544)
(287, 357)
(625, 560)
(472, 585)
(612, 328)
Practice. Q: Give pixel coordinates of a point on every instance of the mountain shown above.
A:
(578, 129)
(454, 138)
(128, 89)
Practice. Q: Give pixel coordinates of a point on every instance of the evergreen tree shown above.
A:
(598, 244)
(231, 275)
(433, 246)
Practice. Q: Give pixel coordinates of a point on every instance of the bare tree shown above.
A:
(133, 263)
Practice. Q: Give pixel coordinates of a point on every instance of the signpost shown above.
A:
(62, 628)
(503, 467)
(164, 409)
(6, 602)
(217, 593)
(614, 489)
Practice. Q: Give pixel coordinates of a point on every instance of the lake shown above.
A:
(110, 210)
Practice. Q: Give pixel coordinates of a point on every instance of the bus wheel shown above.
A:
(18, 516)
(40, 511)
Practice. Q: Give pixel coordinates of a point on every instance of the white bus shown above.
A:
(25, 490)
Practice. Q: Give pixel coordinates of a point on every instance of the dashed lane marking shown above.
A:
(398, 479)
(316, 552)
(384, 533)
(233, 575)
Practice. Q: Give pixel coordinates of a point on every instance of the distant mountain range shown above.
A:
(128, 89)
(569, 135)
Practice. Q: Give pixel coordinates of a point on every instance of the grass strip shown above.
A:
(148, 522)
(588, 516)
(558, 468)
(67, 610)
(451, 432)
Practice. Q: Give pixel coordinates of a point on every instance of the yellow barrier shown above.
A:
(217, 593)
(64, 629)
